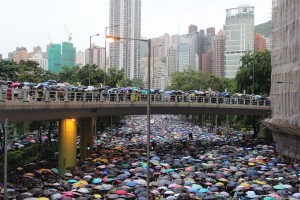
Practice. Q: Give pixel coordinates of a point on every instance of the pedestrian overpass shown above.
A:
(79, 109)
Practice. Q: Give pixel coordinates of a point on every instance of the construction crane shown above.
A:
(69, 34)
(51, 43)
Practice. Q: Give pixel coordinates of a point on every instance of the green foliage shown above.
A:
(114, 77)
(255, 73)
(193, 80)
(264, 28)
(8, 70)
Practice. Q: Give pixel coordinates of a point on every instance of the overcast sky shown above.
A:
(27, 22)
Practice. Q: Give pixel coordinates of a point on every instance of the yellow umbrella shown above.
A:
(80, 183)
(104, 160)
(118, 147)
(97, 160)
(245, 184)
(97, 196)
(259, 182)
(223, 180)
(43, 198)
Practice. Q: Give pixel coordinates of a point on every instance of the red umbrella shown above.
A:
(16, 84)
(120, 192)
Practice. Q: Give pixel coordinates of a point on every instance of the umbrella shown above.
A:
(203, 190)
(120, 192)
(97, 180)
(141, 182)
(279, 187)
(112, 196)
(132, 183)
(83, 190)
(296, 195)
(274, 195)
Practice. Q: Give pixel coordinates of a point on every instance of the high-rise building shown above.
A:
(207, 61)
(37, 49)
(171, 61)
(20, 54)
(193, 29)
(54, 57)
(68, 54)
(99, 57)
(80, 59)
(183, 57)
(211, 31)
(219, 54)
(125, 20)
(239, 32)
(38, 57)
(259, 42)
(201, 47)
(209, 39)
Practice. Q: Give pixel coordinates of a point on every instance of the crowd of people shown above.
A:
(51, 90)
(186, 162)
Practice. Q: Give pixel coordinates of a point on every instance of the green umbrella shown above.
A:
(279, 187)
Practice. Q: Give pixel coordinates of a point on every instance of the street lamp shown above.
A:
(90, 57)
(253, 78)
(105, 53)
(153, 60)
(113, 38)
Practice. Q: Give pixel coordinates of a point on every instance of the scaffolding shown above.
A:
(285, 90)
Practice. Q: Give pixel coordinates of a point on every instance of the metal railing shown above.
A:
(35, 95)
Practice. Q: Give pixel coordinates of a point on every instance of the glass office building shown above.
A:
(239, 32)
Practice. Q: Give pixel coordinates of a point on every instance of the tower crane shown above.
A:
(51, 43)
(69, 34)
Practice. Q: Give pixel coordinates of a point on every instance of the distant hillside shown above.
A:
(264, 28)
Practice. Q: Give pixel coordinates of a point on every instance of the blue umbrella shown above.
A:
(193, 190)
(203, 190)
(72, 181)
(97, 180)
(155, 158)
(131, 183)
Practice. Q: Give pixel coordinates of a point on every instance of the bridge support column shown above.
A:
(86, 137)
(67, 145)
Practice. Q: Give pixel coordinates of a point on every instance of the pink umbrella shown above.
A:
(273, 195)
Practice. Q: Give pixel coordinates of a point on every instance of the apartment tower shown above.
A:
(219, 54)
(125, 22)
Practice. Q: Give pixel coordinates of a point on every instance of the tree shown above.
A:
(193, 80)
(69, 74)
(8, 70)
(254, 76)
(114, 77)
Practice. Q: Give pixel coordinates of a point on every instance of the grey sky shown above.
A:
(26, 23)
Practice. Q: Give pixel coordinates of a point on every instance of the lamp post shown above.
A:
(148, 104)
(153, 48)
(253, 77)
(90, 57)
(106, 54)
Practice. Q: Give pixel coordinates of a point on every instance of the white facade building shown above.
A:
(38, 57)
(80, 59)
(125, 22)
(239, 33)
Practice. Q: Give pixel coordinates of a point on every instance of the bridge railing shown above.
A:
(24, 95)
